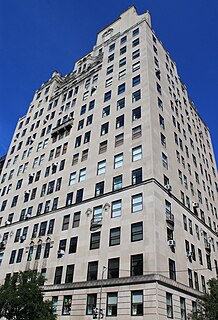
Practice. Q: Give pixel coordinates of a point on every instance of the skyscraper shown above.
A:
(109, 187)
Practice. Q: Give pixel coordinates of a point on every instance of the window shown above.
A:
(87, 137)
(137, 153)
(101, 167)
(75, 158)
(116, 209)
(72, 179)
(12, 257)
(136, 54)
(92, 273)
(42, 230)
(112, 47)
(91, 104)
(135, 42)
(102, 147)
(66, 221)
(121, 88)
(67, 305)
(163, 140)
(79, 196)
(169, 305)
(111, 304)
(69, 199)
(135, 32)
(120, 121)
(136, 231)
(91, 303)
(73, 244)
(122, 50)
(118, 161)
(78, 141)
(76, 219)
(110, 58)
(121, 104)
(114, 236)
(82, 174)
(19, 255)
(123, 40)
(38, 252)
(136, 66)
(136, 95)
(136, 113)
(136, 132)
(137, 203)
(164, 160)
(119, 139)
(121, 74)
(99, 188)
(137, 176)
(104, 128)
(108, 82)
(84, 154)
(80, 124)
(161, 121)
(172, 269)
(110, 69)
(47, 250)
(69, 273)
(117, 182)
(107, 96)
(122, 62)
(137, 265)
(113, 268)
(95, 240)
(182, 308)
(106, 111)
(137, 303)
(136, 81)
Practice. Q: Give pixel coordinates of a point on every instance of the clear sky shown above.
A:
(39, 36)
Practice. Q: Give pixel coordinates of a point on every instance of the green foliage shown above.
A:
(207, 305)
(21, 298)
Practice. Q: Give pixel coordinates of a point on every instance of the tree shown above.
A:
(21, 298)
(207, 305)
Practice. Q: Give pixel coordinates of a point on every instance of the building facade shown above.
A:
(109, 187)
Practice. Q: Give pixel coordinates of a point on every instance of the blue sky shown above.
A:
(39, 36)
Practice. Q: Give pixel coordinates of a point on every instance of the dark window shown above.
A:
(51, 226)
(172, 269)
(99, 188)
(114, 236)
(137, 176)
(76, 219)
(113, 268)
(121, 88)
(73, 244)
(19, 255)
(137, 231)
(95, 240)
(91, 303)
(120, 121)
(104, 128)
(42, 229)
(107, 96)
(79, 195)
(69, 273)
(38, 252)
(69, 199)
(66, 221)
(136, 113)
(92, 273)
(136, 80)
(137, 265)
(58, 275)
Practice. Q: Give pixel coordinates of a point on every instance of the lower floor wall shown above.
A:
(151, 298)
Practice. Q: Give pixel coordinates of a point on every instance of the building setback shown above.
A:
(109, 186)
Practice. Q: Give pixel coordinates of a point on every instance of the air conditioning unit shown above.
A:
(27, 216)
(189, 254)
(157, 71)
(195, 205)
(171, 243)
(168, 187)
(61, 252)
(31, 175)
(27, 192)
(22, 238)
(7, 223)
(45, 121)
(54, 164)
(32, 140)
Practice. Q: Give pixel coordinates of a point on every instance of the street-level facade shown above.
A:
(109, 187)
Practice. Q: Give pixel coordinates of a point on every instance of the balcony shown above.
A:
(96, 223)
(64, 126)
(170, 218)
